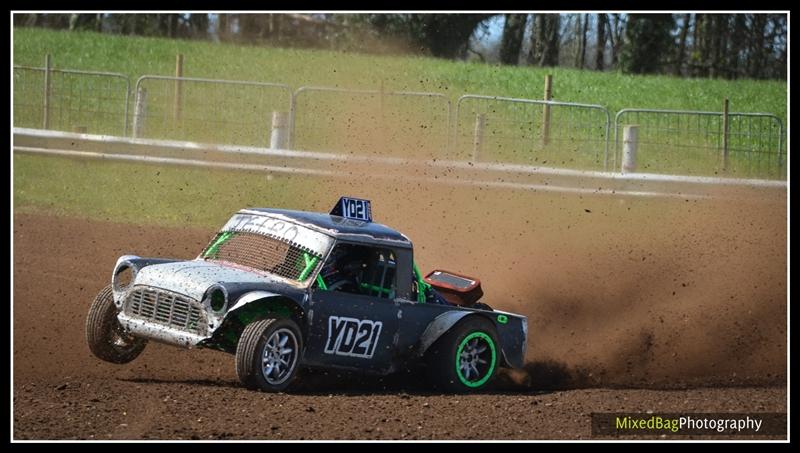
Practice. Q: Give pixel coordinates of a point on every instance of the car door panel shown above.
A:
(351, 331)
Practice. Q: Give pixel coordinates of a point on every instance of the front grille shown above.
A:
(167, 308)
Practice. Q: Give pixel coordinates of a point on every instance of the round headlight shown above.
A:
(217, 300)
(123, 277)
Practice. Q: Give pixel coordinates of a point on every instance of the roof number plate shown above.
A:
(353, 208)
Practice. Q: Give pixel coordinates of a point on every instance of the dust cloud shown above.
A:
(619, 292)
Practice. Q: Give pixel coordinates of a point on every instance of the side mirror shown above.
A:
(455, 288)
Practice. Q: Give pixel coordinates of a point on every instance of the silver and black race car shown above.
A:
(284, 290)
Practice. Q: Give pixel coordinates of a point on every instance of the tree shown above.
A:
(580, 56)
(545, 40)
(198, 26)
(647, 40)
(697, 56)
(85, 22)
(513, 32)
(275, 26)
(442, 35)
(224, 27)
(55, 21)
(600, 49)
(617, 31)
(27, 20)
(718, 30)
(737, 46)
(447, 35)
(779, 39)
(682, 44)
(552, 41)
(171, 24)
(252, 27)
(758, 33)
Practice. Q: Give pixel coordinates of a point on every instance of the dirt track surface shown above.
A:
(62, 392)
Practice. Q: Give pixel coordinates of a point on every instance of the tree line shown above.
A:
(752, 45)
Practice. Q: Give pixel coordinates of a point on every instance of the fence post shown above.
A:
(548, 94)
(47, 88)
(292, 118)
(630, 142)
(178, 86)
(380, 100)
(139, 112)
(280, 130)
(382, 126)
(725, 127)
(480, 125)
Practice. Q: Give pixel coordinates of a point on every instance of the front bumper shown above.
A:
(148, 329)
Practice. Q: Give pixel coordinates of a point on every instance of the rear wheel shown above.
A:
(465, 358)
(268, 354)
(104, 334)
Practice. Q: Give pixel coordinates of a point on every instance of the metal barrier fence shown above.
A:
(70, 100)
(393, 123)
(400, 124)
(693, 142)
(208, 110)
(511, 130)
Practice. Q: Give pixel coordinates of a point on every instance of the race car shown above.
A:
(284, 290)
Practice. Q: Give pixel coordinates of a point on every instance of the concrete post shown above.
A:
(477, 144)
(630, 142)
(548, 94)
(139, 112)
(178, 87)
(279, 138)
(48, 63)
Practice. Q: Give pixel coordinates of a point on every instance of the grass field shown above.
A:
(136, 56)
(410, 129)
(147, 194)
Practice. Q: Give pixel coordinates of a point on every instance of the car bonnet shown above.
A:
(193, 278)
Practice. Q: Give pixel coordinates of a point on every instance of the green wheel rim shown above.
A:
(465, 344)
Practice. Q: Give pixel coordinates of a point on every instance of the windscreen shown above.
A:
(269, 245)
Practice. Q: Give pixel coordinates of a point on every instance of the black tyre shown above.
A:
(268, 354)
(106, 338)
(465, 359)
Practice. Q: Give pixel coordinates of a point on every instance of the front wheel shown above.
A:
(268, 354)
(465, 358)
(106, 338)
